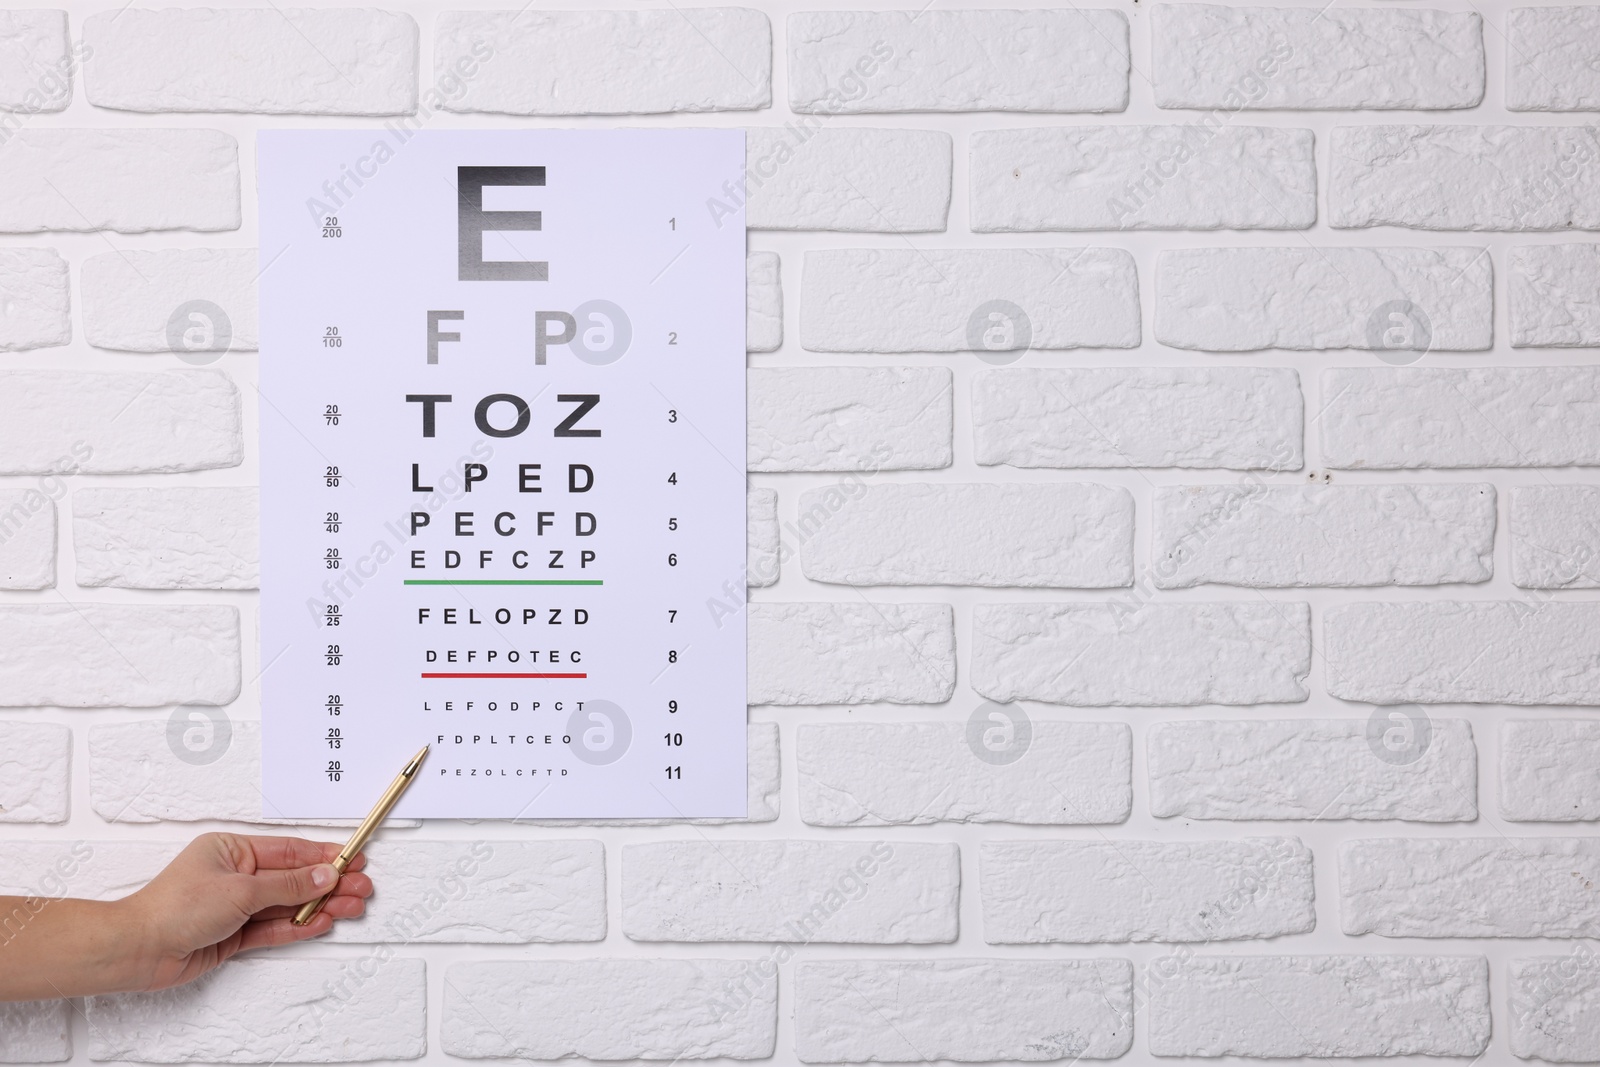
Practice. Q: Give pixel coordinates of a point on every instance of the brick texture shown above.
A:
(152, 301)
(1470, 887)
(877, 892)
(38, 761)
(1245, 299)
(860, 1011)
(886, 774)
(1145, 890)
(1313, 769)
(34, 300)
(849, 62)
(1323, 1006)
(1267, 536)
(889, 300)
(610, 1009)
(1209, 56)
(125, 180)
(300, 61)
(532, 62)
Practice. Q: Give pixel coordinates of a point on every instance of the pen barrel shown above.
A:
(308, 911)
(357, 842)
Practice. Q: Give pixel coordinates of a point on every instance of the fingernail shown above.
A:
(323, 875)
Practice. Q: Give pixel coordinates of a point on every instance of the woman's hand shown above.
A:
(222, 895)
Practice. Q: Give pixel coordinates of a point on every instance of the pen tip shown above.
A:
(416, 761)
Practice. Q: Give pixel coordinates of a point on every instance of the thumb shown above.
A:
(294, 885)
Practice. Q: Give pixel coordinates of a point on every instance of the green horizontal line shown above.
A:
(504, 581)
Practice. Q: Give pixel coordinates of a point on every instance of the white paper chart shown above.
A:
(503, 448)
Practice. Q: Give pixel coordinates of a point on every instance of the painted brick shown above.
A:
(894, 300)
(1549, 770)
(38, 73)
(532, 62)
(1554, 533)
(1061, 536)
(967, 1010)
(187, 767)
(284, 61)
(1324, 1006)
(617, 1009)
(849, 418)
(1464, 177)
(1307, 299)
(863, 892)
(270, 1011)
(38, 757)
(135, 301)
(1311, 769)
(167, 538)
(763, 302)
(27, 539)
(1097, 655)
(1449, 652)
(1243, 418)
(92, 870)
(118, 655)
(483, 892)
(1035, 892)
(34, 300)
(1209, 56)
(803, 177)
(1470, 887)
(64, 422)
(1554, 301)
(853, 62)
(822, 653)
(762, 764)
(130, 181)
(1555, 1007)
(36, 1031)
(912, 774)
(1339, 535)
(1404, 417)
(1549, 64)
(1117, 178)
(762, 556)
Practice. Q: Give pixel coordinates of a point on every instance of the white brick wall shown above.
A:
(1322, 1006)
(1173, 519)
(1194, 891)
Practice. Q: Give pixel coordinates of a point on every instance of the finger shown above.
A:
(282, 932)
(285, 852)
(293, 886)
(354, 885)
(356, 864)
(340, 907)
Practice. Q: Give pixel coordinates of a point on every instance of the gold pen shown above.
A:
(364, 832)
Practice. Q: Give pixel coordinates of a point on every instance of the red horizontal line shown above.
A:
(505, 676)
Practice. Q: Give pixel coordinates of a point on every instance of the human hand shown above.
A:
(222, 895)
(229, 893)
